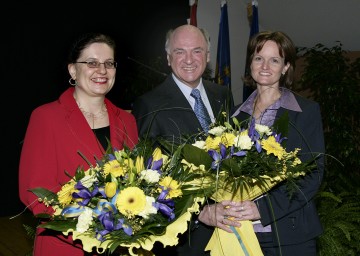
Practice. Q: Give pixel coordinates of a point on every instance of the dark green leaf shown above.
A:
(43, 192)
(60, 225)
(196, 156)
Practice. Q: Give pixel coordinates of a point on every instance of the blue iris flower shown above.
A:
(154, 165)
(278, 138)
(84, 193)
(239, 153)
(218, 157)
(254, 136)
(110, 224)
(165, 206)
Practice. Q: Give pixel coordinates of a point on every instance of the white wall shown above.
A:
(307, 22)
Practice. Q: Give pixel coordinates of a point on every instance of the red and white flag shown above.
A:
(193, 9)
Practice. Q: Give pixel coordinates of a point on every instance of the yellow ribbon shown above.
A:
(223, 243)
(243, 242)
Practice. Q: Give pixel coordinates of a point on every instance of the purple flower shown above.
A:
(278, 138)
(110, 224)
(239, 153)
(254, 135)
(154, 165)
(217, 157)
(84, 193)
(165, 206)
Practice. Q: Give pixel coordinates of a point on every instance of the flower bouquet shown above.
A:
(129, 200)
(248, 160)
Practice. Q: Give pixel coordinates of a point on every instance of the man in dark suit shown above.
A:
(168, 111)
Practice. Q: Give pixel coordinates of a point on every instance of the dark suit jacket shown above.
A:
(166, 112)
(296, 220)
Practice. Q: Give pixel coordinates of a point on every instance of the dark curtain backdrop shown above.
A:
(35, 41)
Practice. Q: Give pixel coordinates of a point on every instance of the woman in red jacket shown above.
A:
(80, 121)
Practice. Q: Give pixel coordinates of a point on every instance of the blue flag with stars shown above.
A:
(222, 71)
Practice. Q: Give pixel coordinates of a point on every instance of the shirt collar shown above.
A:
(186, 90)
(287, 101)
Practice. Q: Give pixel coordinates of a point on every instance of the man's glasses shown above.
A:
(96, 64)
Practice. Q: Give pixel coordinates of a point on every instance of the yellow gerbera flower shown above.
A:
(273, 147)
(131, 201)
(65, 194)
(228, 139)
(172, 185)
(212, 143)
(115, 168)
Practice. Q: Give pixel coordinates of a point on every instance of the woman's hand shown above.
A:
(228, 213)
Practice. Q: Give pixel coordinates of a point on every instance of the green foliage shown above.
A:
(334, 82)
(60, 225)
(44, 194)
(30, 231)
(340, 218)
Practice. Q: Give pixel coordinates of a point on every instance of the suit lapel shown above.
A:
(214, 99)
(171, 96)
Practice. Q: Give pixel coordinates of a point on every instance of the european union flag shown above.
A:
(222, 72)
(255, 19)
(254, 29)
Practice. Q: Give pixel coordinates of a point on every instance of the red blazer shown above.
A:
(56, 132)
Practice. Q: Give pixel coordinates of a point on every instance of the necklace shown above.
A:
(99, 115)
(258, 111)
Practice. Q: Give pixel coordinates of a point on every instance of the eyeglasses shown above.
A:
(96, 64)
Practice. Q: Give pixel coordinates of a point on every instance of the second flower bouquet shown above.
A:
(248, 160)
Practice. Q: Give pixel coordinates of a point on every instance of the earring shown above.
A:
(71, 81)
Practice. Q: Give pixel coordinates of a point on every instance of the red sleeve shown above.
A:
(38, 157)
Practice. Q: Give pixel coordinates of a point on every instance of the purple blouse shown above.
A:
(287, 100)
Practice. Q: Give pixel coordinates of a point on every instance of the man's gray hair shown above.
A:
(170, 33)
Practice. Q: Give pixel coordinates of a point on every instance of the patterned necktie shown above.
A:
(200, 110)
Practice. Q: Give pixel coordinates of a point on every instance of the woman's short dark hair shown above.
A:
(87, 39)
(287, 51)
